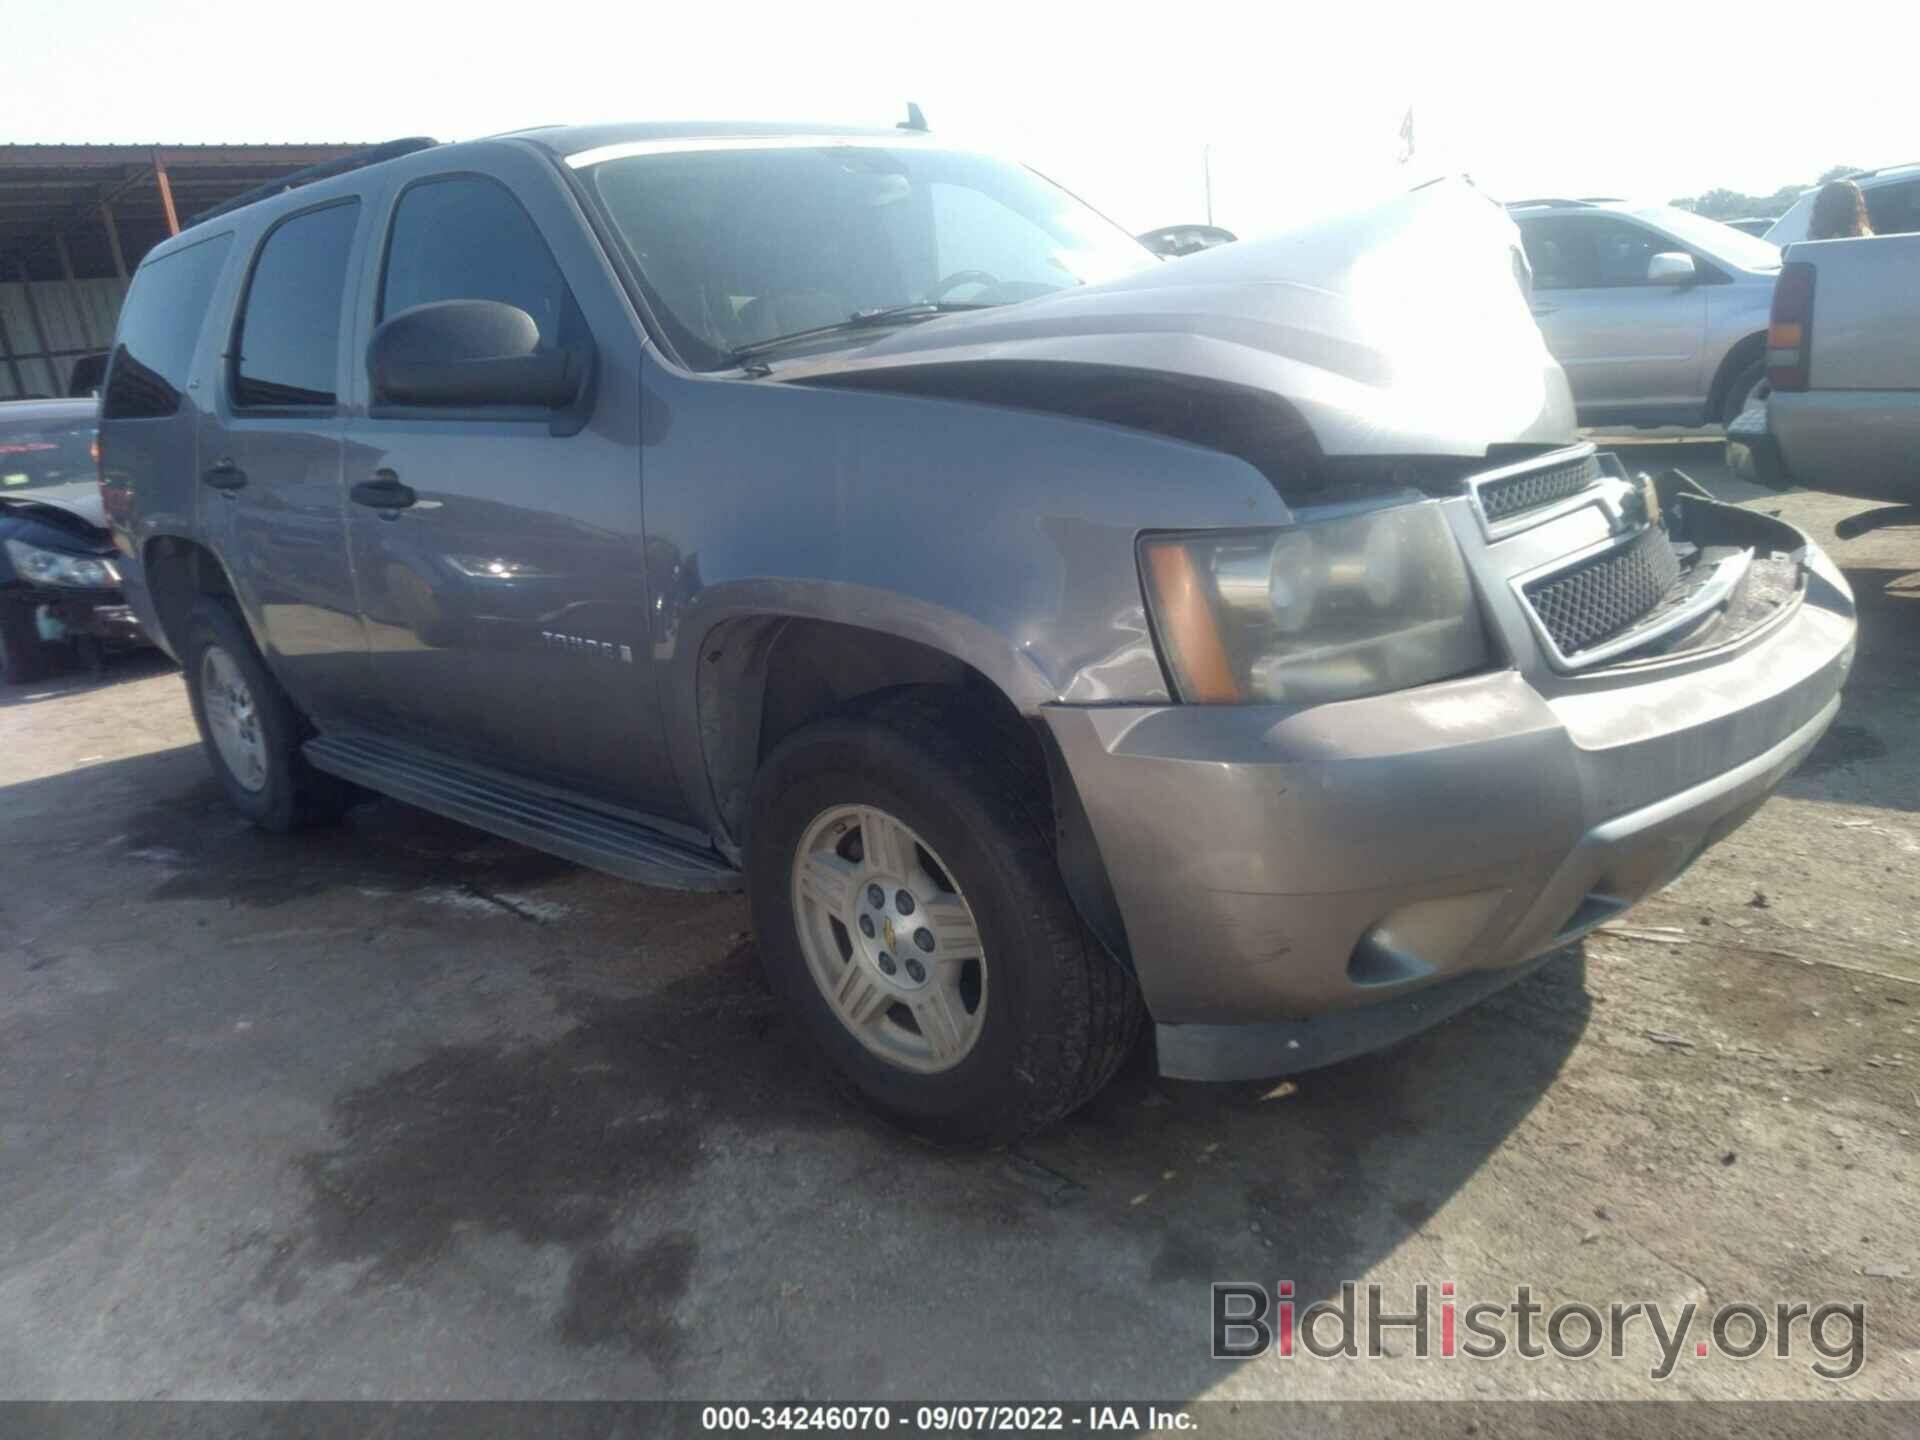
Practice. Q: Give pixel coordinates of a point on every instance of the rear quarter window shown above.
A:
(159, 327)
(1895, 209)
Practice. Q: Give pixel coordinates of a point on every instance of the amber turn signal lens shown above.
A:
(1185, 610)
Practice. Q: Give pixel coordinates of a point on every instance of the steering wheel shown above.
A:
(963, 277)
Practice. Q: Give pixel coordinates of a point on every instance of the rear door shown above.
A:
(505, 602)
(1627, 346)
(270, 456)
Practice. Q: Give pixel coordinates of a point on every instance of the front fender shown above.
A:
(1001, 538)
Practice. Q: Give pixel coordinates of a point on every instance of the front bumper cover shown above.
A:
(63, 614)
(1297, 886)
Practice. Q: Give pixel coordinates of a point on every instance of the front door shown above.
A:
(498, 555)
(270, 458)
(1625, 344)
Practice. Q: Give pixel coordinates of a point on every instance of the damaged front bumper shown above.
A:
(64, 615)
(1298, 885)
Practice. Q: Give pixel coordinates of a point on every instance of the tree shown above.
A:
(1724, 204)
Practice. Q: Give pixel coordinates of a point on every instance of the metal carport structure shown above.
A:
(75, 221)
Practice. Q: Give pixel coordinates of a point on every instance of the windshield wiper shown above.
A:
(860, 320)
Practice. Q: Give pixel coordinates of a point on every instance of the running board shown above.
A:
(619, 843)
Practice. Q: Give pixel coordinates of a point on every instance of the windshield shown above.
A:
(35, 457)
(1721, 242)
(738, 244)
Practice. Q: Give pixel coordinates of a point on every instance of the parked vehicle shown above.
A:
(1844, 412)
(1172, 241)
(59, 585)
(1044, 636)
(1659, 315)
(1755, 225)
(1893, 205)
(88, 372)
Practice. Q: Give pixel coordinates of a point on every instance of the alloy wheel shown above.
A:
(889, 939)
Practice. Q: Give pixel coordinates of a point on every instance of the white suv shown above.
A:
(1658, 315)
(1893, 204)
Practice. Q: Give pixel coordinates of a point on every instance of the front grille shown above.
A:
(1599, 598)
(1512, 494)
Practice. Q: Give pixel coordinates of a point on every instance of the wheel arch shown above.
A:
(1746, 352)
(760, 677)
(178, 572)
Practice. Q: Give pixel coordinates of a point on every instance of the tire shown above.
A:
(24, 656)
(283, 792)
(1053, 1014)
(1738, 392)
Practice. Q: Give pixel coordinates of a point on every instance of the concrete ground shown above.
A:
(397, 1109)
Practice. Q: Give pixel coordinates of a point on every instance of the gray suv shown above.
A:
(1046, 636)
(1659, 315)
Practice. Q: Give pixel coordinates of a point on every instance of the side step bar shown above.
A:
(620, 843)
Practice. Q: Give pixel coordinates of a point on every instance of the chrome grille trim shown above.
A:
(1684, 600)
(1533, 491)
(1597, 599)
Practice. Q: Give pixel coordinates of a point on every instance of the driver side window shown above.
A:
(466, 238)
(1590, 252)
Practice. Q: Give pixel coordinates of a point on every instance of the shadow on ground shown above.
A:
(1876, 721)
(74, 678)
(673, 1148)
(609, 1143)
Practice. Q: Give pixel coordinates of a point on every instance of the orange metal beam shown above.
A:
(166, 194)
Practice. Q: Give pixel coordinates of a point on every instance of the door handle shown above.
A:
(225, 475)
(1545, 309)
(383, 492)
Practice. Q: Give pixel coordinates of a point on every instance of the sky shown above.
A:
(1296, 110)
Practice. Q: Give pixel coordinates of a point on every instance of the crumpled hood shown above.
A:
(61, 503)
(1399, 329)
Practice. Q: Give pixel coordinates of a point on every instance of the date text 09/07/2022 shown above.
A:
(968, 1419)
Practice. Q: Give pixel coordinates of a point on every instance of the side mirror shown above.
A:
(465, 354)
(1672, 267)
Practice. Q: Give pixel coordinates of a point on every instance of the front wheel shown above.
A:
(908, 907)
(24, 656)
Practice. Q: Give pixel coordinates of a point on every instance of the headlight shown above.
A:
(1330, 610)
(53, 567)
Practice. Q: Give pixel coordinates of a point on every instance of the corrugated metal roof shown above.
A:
(57, 190)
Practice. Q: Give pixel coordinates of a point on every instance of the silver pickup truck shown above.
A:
(1844, 361)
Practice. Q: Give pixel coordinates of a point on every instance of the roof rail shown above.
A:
(1883, 169)
(1553, 202)
(358, 160)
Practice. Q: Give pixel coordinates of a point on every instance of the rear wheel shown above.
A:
(251, 731)
(1743, 392)
(909, 909)
(24, 656)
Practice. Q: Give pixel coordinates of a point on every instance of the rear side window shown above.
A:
(287, 346)
(159, 326)
(1894, 209)
(467, 238)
